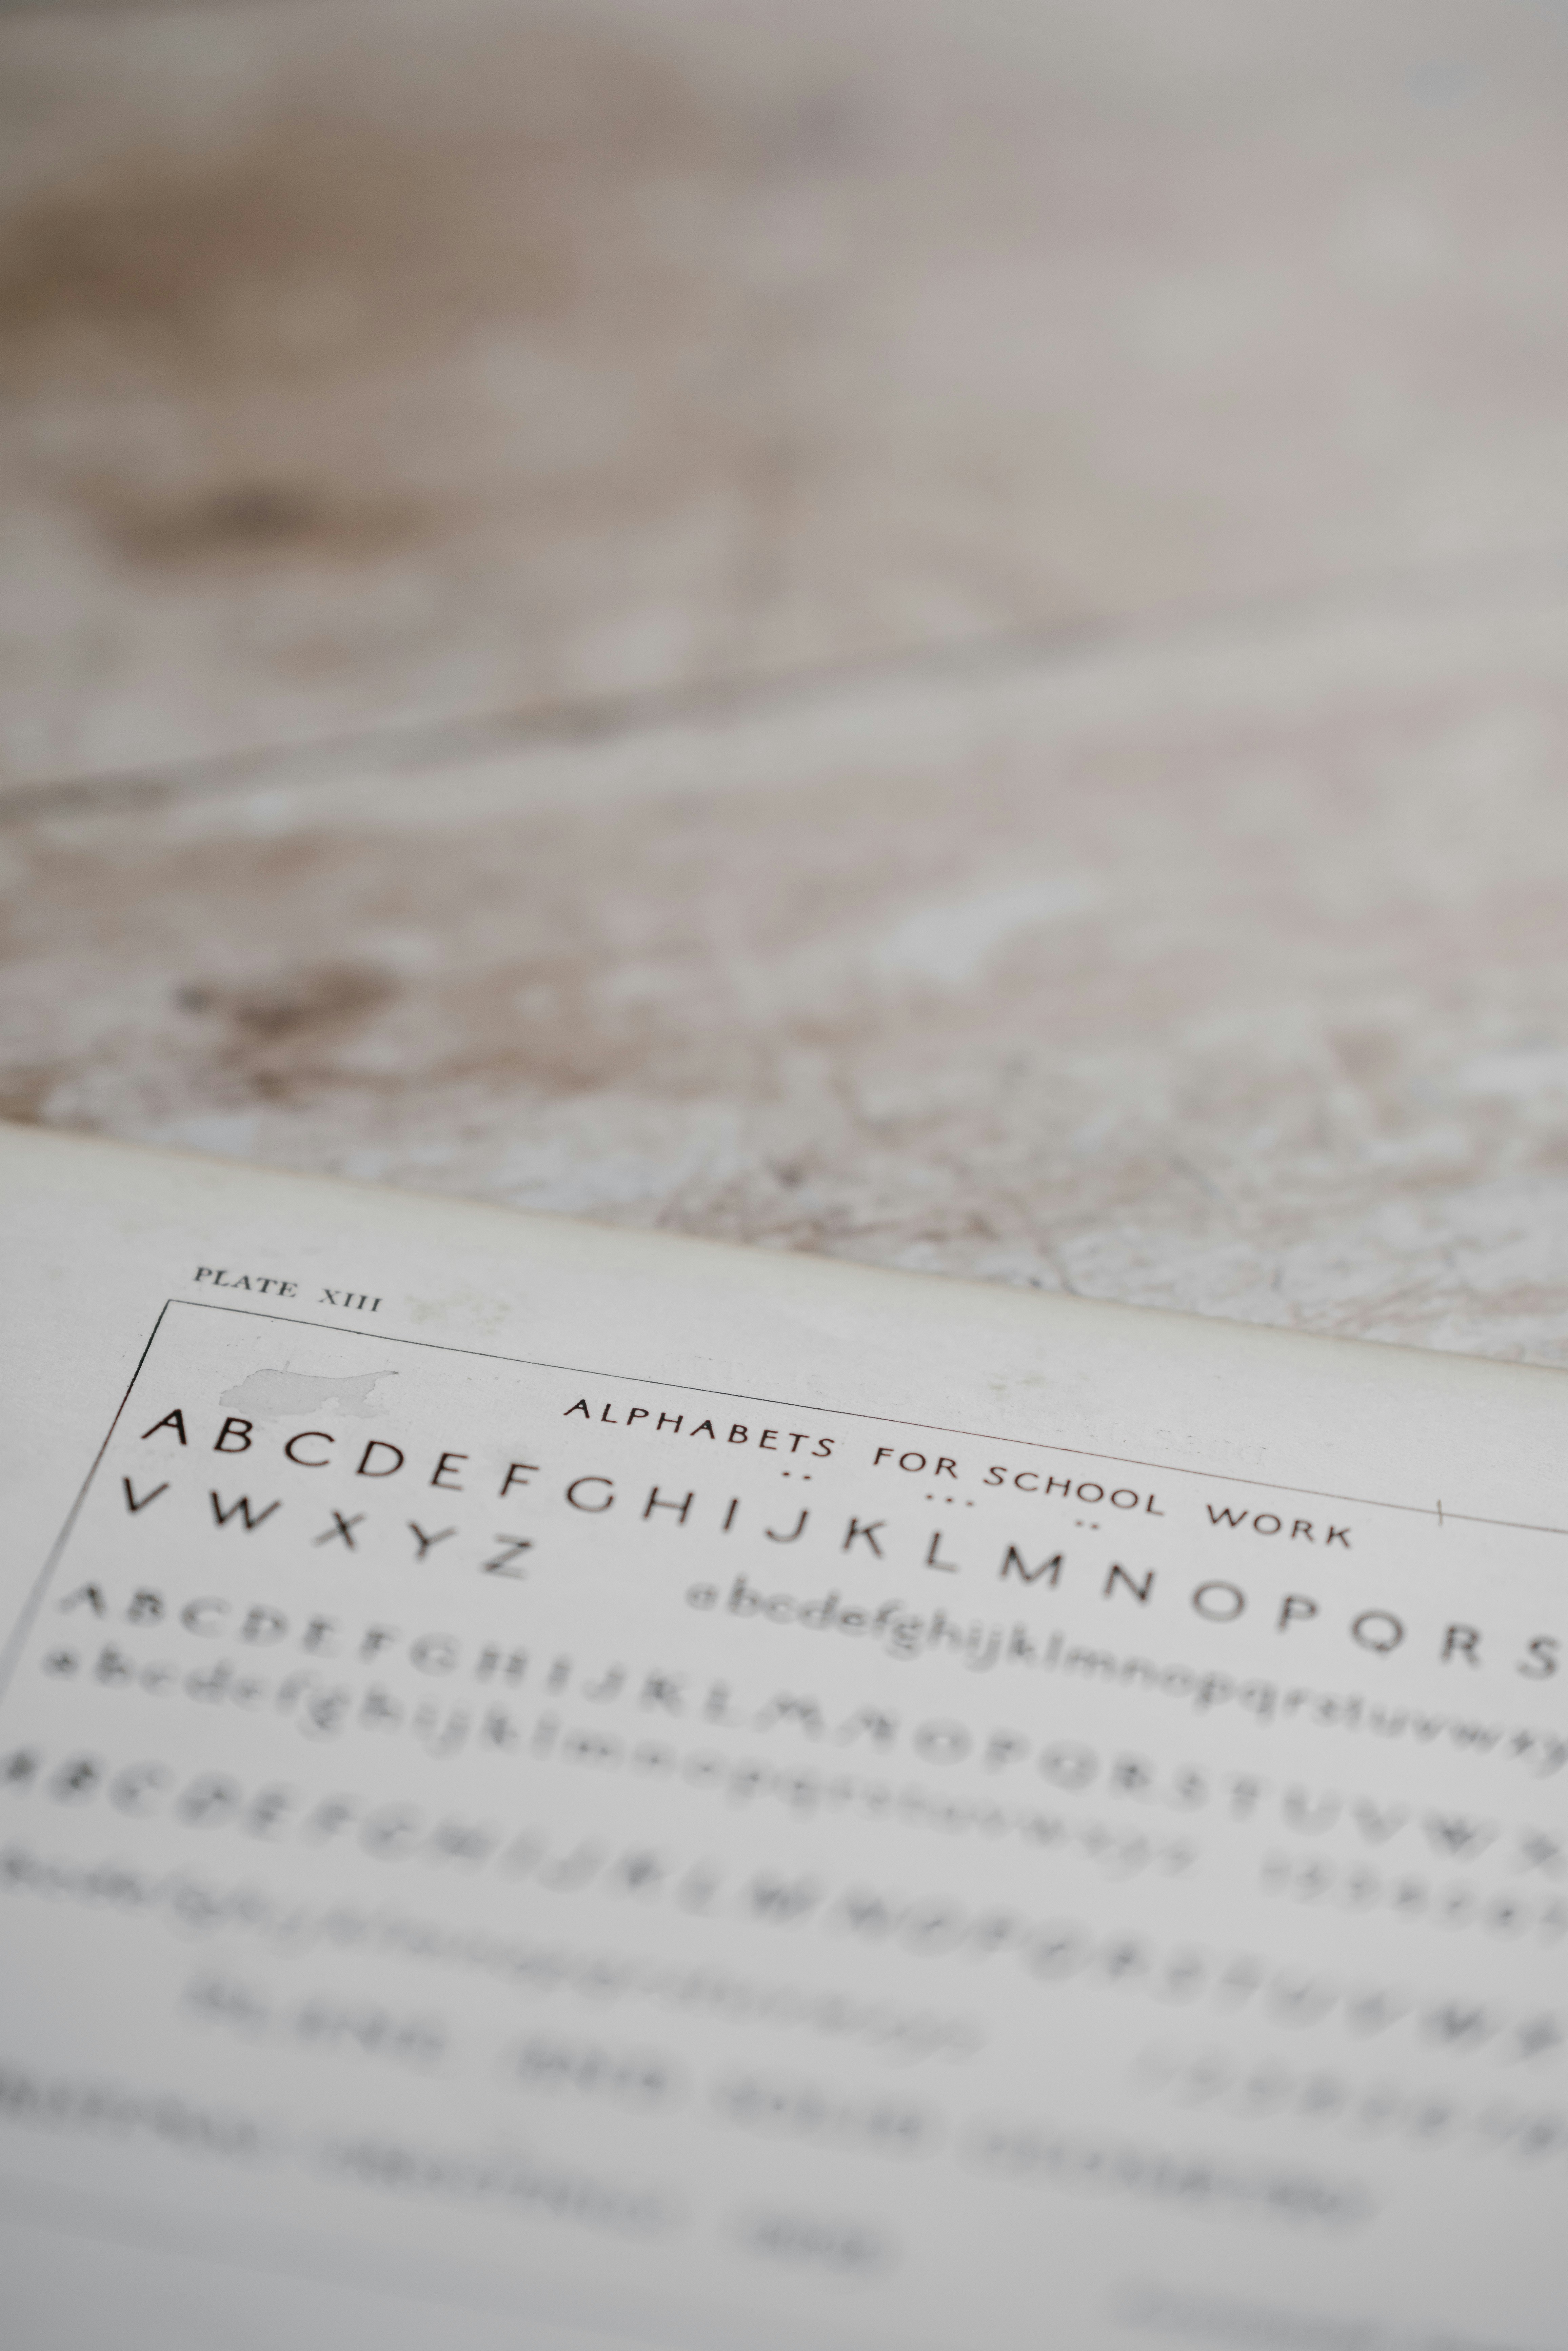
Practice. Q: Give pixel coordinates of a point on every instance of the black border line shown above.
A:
(894, 1420)
(736, 1396)
(11, 1656)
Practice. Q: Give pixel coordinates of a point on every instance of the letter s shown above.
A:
(1545, 1651)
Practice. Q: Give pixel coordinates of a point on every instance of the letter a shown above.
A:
(175, 1420)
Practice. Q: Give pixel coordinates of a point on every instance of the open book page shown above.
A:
(568, 1787)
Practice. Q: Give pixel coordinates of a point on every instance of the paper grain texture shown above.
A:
(581, 1787)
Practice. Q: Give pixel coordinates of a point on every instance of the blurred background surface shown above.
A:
(930, 630)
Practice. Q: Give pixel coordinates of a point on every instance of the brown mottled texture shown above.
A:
(932, 631)
(1228, 974)
(372, 363)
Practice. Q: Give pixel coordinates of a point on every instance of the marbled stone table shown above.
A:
(931, 632)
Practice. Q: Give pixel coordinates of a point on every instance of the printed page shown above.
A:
(564, 1787)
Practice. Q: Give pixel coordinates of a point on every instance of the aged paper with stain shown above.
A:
(570, 1787)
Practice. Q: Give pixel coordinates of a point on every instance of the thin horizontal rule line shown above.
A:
(885, 1420)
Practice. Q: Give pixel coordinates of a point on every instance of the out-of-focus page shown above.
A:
(567, 1787)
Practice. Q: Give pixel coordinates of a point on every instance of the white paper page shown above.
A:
(565, 1787)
